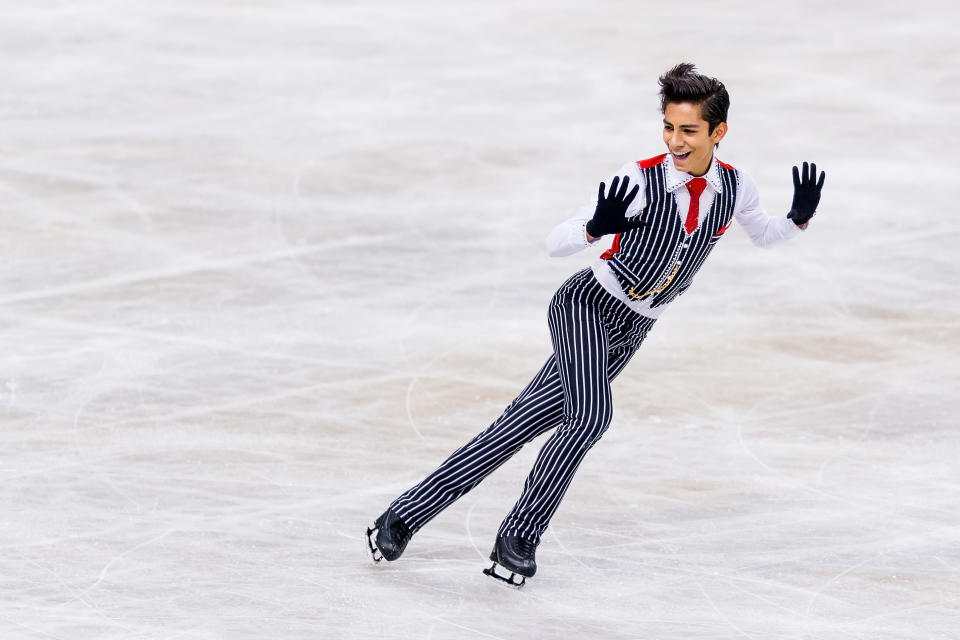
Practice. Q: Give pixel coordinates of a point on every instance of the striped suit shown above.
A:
(597, 318)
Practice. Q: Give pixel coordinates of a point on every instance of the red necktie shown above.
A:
(695, 187)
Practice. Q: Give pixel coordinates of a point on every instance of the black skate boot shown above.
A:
(517, 556)
(391, 539)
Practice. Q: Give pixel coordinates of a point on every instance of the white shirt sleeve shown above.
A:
(570, 236)
(764, 230)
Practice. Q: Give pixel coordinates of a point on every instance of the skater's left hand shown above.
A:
(806, 194)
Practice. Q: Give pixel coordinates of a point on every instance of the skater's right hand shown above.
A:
(610, 215)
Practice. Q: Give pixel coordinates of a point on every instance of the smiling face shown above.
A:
(688, 137)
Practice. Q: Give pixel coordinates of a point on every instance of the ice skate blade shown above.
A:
(375, 554)
(506, 580)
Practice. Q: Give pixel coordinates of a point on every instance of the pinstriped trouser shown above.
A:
(594, 336)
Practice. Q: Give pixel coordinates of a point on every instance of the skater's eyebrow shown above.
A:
(685, 126)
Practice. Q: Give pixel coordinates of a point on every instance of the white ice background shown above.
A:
(265, 264)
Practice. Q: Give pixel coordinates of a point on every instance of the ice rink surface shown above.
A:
(265, 264)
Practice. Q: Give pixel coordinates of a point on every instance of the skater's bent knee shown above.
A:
(590, 428)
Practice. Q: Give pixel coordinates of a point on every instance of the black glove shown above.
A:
(611, 210)
(806, 194)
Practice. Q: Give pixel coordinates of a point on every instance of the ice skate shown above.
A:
(514, 560)
(388, 537)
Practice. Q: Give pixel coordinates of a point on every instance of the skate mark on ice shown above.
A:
(556, 538)
(900, 612)
(408, 398)
(78, 597)
(89, 394)
(767, 584)
(796, 481)
(89, 328)
(862, 503)
(470, 629)
(402, 575)
(418, 373)
(139, 277)
(74, 537)
(119, 556)
(470, 535)
(633, 541)
(724, 617)
(305, 391)
(816, 594)
(946, 564)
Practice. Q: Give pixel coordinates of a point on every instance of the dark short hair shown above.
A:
(684, 84)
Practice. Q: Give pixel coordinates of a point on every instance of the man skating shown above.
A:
(665, 214)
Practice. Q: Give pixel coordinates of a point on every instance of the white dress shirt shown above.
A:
(764, 230)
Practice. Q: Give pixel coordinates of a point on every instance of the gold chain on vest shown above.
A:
(666, 283)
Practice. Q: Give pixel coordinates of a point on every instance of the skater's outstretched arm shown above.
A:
(765, 230)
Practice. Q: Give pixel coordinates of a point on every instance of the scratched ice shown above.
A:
(264, 265)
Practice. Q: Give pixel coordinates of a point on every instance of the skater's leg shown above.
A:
(585, 368)
(539, 407)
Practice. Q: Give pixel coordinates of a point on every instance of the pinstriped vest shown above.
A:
(657, 262)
